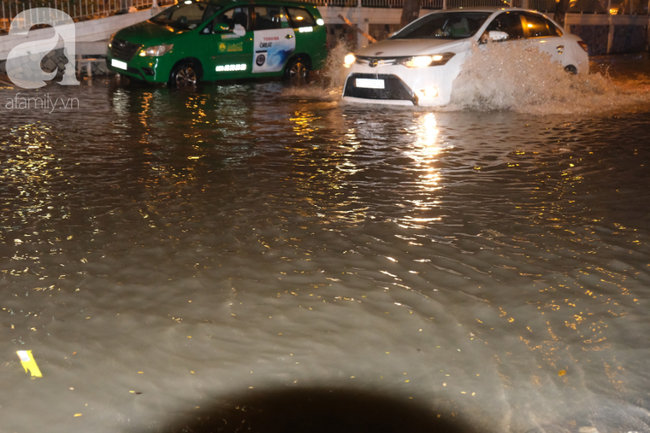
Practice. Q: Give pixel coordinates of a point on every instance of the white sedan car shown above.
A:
(418, 64)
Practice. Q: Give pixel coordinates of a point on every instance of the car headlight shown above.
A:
(419, 61)
(156, 51)
(349, 60)
(110, 41)
(424, 61)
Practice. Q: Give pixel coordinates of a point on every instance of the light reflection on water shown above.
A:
(425, 153)
(190, 245)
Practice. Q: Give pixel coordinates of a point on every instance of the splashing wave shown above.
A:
(516, 77)
(331, 78)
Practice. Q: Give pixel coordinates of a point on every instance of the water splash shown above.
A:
(334, 73)
(329, 82)
(518, 77)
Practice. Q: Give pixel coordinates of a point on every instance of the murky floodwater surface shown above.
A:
(171, 254)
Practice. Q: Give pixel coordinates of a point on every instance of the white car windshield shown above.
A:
(446, 25)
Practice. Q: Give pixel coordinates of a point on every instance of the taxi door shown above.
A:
(310, 35)
(230, 45)
(274, 40)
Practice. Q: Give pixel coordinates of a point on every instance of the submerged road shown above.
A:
(255, 257)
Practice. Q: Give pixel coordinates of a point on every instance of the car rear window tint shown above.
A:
(510, 23)
(301, 17)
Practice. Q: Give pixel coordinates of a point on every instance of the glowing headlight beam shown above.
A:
(419, 62)
(427, 60)
(349, 60)
(156, 51)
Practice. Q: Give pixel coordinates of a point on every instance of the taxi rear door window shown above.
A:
(270, 17)
(235, 16)
(301, 17)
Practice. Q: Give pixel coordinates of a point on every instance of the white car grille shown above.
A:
(378, 61)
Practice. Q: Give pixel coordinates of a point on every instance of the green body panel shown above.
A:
(220, 55)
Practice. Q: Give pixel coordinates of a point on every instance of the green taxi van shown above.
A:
(209, 40)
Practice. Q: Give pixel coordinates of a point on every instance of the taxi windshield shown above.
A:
(186, 16)
(446, 25)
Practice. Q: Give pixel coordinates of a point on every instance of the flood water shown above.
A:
(216, 260)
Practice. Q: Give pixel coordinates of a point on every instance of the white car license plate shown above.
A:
(369, 83)
(118, 64)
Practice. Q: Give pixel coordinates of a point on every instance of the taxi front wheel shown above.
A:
(296, 71)
(184, 75)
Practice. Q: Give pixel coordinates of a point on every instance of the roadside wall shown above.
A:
(85, 31)
(611, 34)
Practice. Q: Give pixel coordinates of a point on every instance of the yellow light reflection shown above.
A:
(322, 168)
(146, 107)
(426, 150)
(425, 153)
(304, 124)
(426, 147)
(30, 167)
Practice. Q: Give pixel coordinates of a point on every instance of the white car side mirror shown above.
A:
(496, 35)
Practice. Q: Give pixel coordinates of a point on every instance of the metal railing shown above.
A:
(614, 7)
(634, 7)
(453, 4)
(397, 4)
(81, 10)
(78, 10)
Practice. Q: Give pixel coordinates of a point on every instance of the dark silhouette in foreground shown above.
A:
(316, 411)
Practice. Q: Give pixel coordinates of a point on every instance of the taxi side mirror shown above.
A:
(221, 28)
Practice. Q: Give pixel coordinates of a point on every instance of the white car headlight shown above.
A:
(424, 61)
(349, 60)
(419, 62)
(156, 51)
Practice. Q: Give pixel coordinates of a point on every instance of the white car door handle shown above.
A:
(560, 49)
